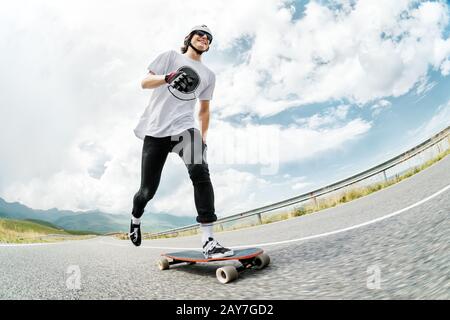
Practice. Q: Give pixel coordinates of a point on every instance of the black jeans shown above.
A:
(190, 147)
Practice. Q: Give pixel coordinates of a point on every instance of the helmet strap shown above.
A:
(195, 49)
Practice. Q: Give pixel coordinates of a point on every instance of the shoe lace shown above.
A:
(210, 245)
(217, 245)
(134, 233)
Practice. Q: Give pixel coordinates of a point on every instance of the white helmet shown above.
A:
(203, 28)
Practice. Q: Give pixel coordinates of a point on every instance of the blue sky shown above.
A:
(315, 90)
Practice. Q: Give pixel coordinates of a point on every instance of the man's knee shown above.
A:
(199, 173)
(144, 195)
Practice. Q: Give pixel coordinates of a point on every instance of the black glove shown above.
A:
(180, 80)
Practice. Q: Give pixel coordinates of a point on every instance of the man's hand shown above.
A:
(180, 80)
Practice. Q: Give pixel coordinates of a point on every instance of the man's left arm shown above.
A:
(203, 117)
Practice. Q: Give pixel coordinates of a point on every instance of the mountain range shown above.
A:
(94, 221)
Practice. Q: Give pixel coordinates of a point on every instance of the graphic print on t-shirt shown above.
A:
(189, 91)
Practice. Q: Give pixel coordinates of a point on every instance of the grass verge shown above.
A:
(25, 231)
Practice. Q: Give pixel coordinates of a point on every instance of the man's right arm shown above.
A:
(153, 81)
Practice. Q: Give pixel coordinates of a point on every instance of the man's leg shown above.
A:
(154, 155)
(193, 153)
(190, 147)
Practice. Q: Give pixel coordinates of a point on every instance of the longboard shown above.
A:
(250, 258)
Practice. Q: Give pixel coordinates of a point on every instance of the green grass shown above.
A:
(82, 233)
(311, 206)
(44, 223)
(26, 231)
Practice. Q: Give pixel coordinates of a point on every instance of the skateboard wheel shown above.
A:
(163, 264)
(261, 261)
(226, 274)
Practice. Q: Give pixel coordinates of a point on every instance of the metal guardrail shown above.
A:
(312, 195)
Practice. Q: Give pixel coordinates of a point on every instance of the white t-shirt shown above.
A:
(170, 112)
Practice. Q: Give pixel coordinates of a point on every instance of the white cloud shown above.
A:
(262, 145)
(304, 143)
(445, 67)
(424, 86)
(362, 53)
(100, 169)
(299, 183)
(379, 107)
(437, 123)
(330, 118)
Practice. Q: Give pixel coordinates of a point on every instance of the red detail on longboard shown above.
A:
(194, 256)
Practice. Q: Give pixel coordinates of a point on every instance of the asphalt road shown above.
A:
(393, 244)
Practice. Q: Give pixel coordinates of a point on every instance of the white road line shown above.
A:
(40, 244)
(31, 244)
(304, 238)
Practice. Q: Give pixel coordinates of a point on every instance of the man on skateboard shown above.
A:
(168, 125)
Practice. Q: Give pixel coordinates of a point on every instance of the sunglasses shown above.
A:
(202, 33)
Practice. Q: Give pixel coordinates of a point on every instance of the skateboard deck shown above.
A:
(249, 258)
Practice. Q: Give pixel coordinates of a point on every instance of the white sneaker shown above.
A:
(212, 249)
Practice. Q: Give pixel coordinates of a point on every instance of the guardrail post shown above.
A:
(316, 204)
(259, 218)
(385, 177)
